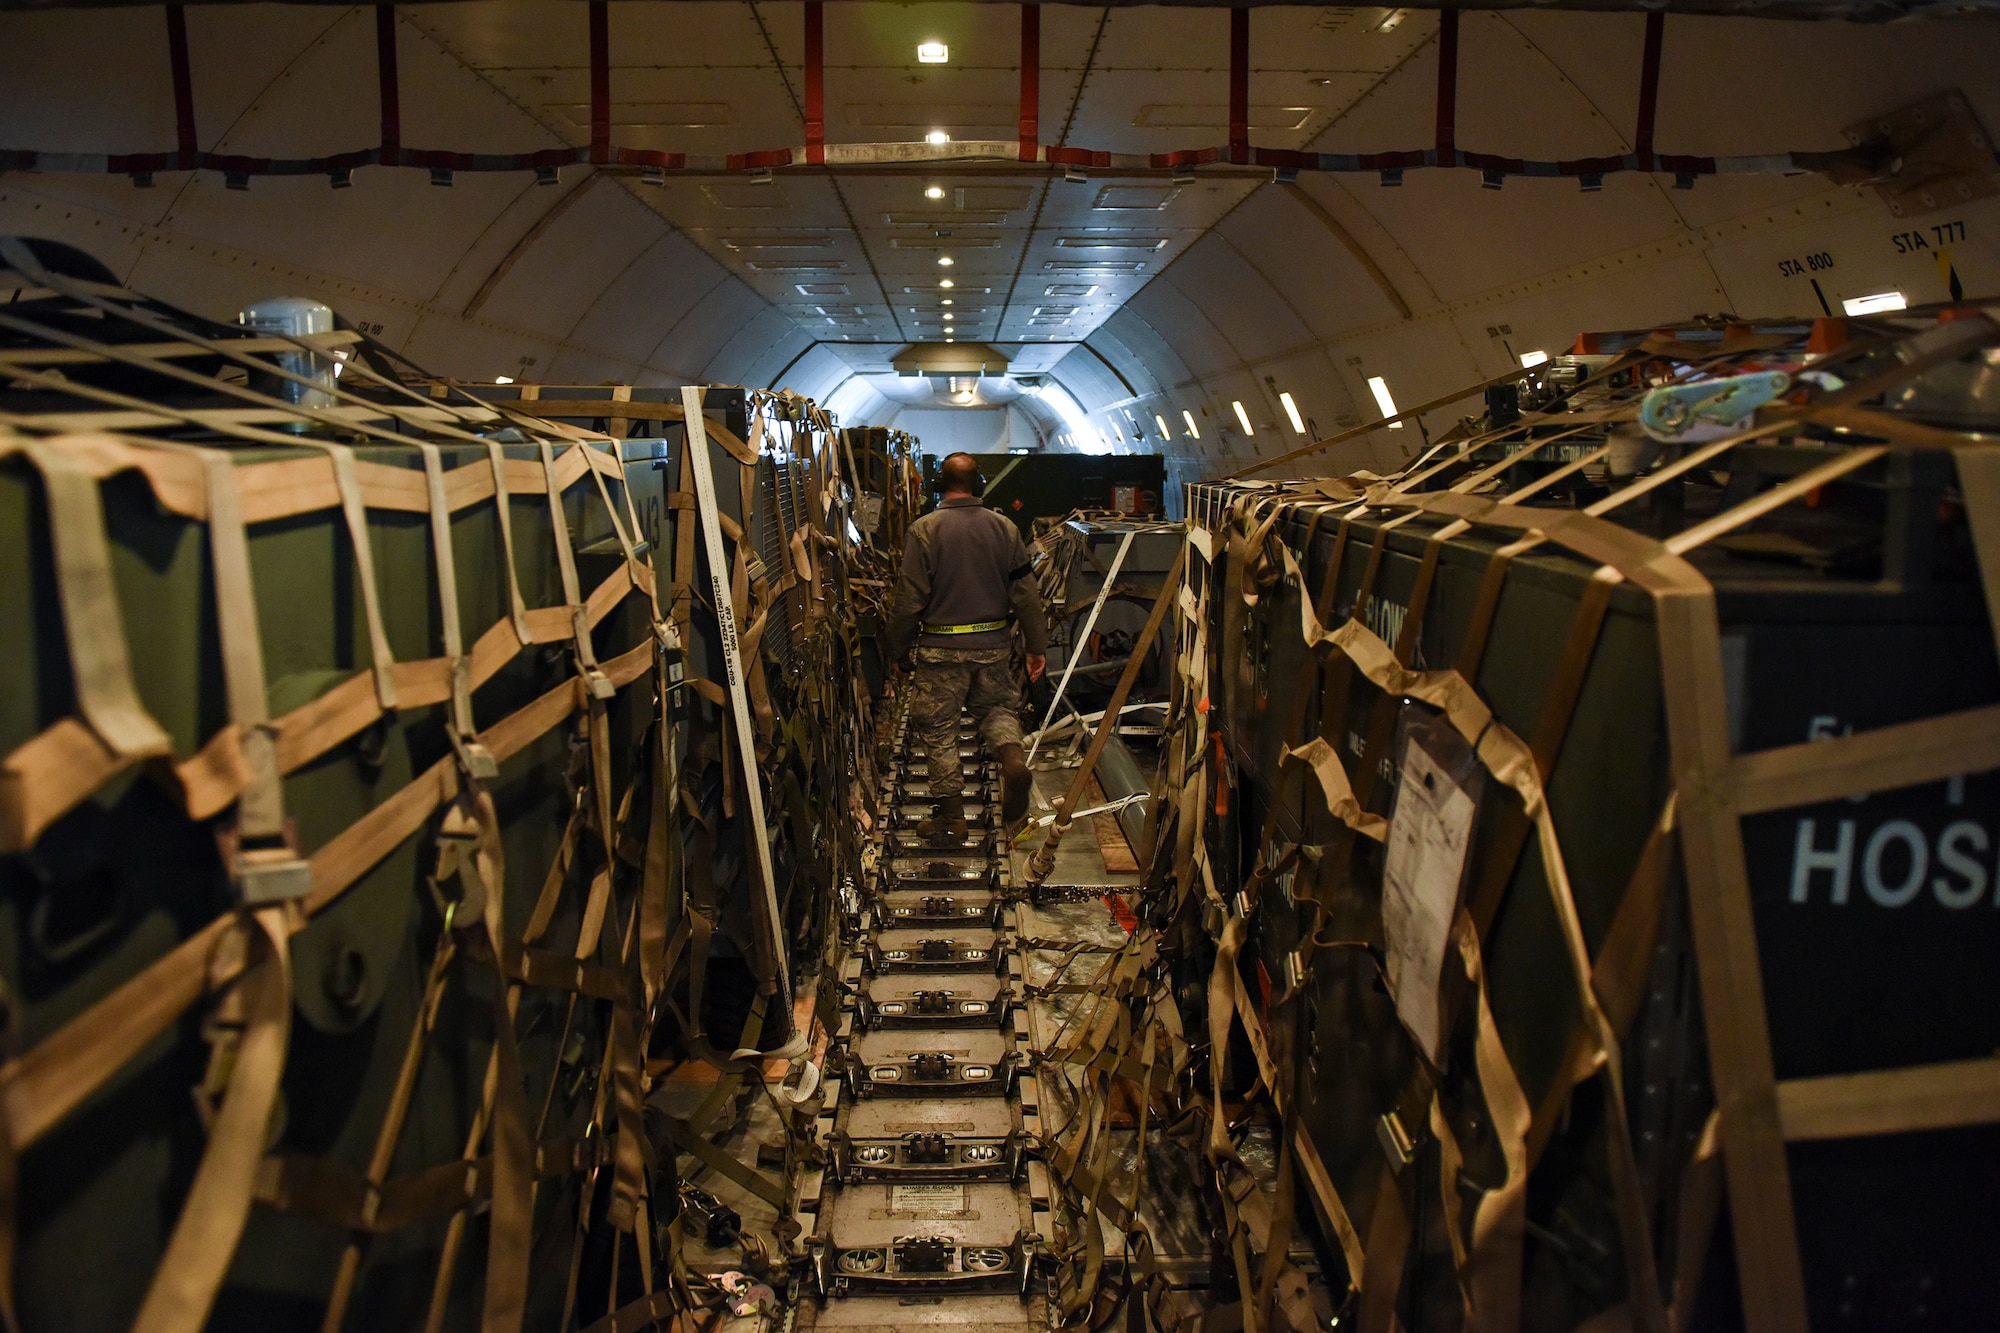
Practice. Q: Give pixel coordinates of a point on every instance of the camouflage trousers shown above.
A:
(946, 680)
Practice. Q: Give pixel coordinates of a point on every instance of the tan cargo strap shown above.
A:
(478, 762)
(356, 516)
(256, 1025)
(100, 662)
(503, 511)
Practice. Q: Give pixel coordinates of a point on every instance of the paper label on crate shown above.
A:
(927, 1198)
(1424, 863)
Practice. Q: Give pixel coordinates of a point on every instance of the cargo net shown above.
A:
(1498, 807)
(376, 770)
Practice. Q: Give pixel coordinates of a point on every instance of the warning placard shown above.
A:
(927, 1199)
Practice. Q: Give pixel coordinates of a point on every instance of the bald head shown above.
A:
(958, 475)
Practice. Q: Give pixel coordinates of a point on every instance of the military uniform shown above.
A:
(966, 573)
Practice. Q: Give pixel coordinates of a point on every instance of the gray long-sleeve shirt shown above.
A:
(963, 565)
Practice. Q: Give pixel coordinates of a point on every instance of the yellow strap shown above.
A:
(980, 627)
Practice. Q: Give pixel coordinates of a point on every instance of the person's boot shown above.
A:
(1015, 782)
(947, 828)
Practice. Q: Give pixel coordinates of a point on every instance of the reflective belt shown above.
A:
(979, 627)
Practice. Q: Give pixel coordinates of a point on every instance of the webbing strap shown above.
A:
(447, 578)
(100, 662)
(218, 1203)
(260, 811)
(770, 950)
(1076, 644)
(503, 511)
(356, 516)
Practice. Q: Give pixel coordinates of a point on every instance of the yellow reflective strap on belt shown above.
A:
(980, 628)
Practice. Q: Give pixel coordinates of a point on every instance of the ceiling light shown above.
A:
(1876, 304)
(945, 261)
(937, 136)
(1292, 411)
(1165, 434)
(932, 53)
(1194, 431)
(946, 301)
(934, 192)
(946, 282)
(1243, 417)
(1380, 388)
(947, 316)
(1392, 21)
(1533, 359)
(503, 379)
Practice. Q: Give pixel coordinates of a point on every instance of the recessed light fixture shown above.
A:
(1165, 433)
(1243, 417)
(946, 301)
(1874, 305)
(1380, 388)
(937, 136)
(1292, 411)
(1194, 431)
(503, 379)
(946, 282)
(932, 53)
(947, 316)
(1533, 359)
(945, 261)
(934, 192)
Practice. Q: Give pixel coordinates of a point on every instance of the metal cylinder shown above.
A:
(293, 316)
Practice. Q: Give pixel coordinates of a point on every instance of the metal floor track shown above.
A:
(929, 1209)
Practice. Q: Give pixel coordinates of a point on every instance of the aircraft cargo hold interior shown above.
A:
(753, 666)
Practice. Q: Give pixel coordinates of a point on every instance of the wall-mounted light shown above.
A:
(937, 136)
(1529, 359)
(934, 192)
(932, 53)
(1194, 431)
(1243, 417)
(1874, 305)
(1292, 411)
(1380, 388)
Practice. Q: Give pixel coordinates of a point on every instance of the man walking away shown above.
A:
(965, 570)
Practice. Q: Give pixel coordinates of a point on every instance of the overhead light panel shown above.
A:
(1529, 359)
(932, 53)
(1380, 388)
(1194, 431)
(934, 192)
(937, 136)
(1292, 411)
(1243, 417)
(1165, 433)
(1877, 304)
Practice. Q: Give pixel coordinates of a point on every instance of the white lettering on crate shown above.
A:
(1830, 857)
(1896, 863)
